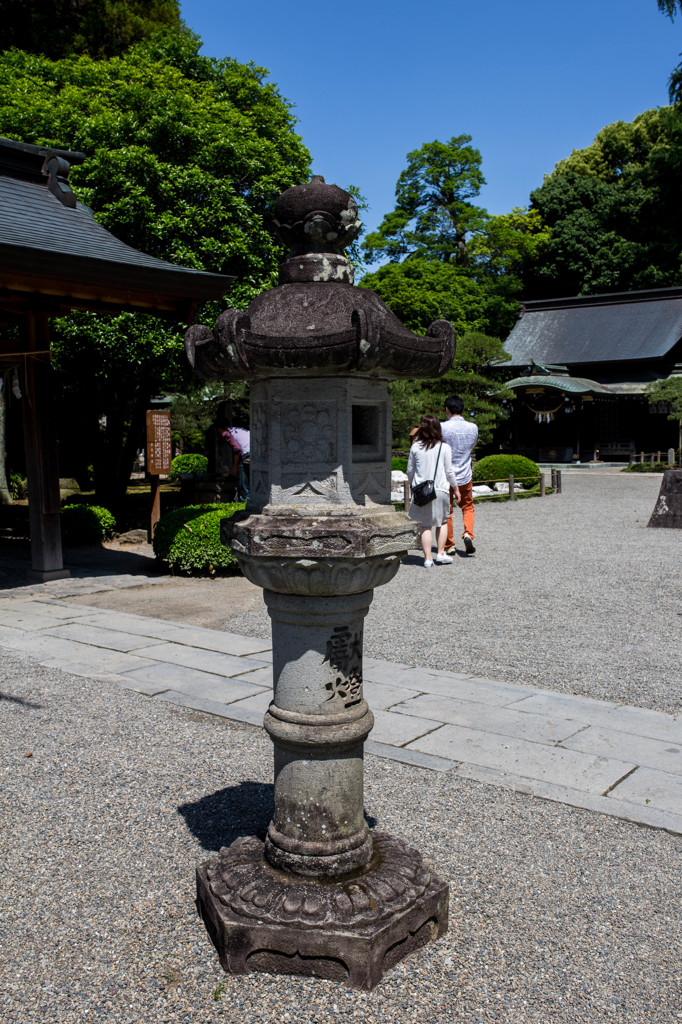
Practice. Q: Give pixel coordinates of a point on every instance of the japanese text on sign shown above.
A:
(159, 448)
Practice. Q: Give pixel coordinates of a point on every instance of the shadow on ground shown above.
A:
(93, 560)
(218, 819)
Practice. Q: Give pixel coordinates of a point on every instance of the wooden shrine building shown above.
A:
(580, 367)
(55, 257)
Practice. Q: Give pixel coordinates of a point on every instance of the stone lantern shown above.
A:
(323, 896)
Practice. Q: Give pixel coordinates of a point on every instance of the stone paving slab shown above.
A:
(399, 730)
(76, 586)
(627, 810)
(484, 691)
(99, 636)
(213, 707)
(643, 750)
(192, 636)
(490, 718)
(155, 677)
(529, 760)
(653, 789)
(209, 661)
(381, 696)
(645, 722)
(613, 759)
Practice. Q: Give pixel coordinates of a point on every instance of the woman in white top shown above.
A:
(430, 459)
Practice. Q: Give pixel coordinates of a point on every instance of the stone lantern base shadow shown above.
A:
(219, 818)
(349, 930)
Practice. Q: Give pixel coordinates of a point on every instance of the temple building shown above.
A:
(55, 257)
(581, 366)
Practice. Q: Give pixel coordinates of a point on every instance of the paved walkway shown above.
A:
(611, 758)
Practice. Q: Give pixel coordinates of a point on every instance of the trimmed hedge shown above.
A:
(86, 524)
(399, 463)
(500, 467)
(191, 463)
(646, 467)
(188, 539)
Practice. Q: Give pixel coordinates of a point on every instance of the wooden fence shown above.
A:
(555, 485)
(653, 457)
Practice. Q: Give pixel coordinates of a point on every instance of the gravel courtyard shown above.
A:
(558, 915)
(571, 593)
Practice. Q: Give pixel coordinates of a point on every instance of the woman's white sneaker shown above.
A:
(443, 560)
(427, 563)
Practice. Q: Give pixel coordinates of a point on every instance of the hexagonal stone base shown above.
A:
(350, 930)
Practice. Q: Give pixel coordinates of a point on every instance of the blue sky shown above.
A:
(529, 80)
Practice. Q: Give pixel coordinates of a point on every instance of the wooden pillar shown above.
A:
(40, 443)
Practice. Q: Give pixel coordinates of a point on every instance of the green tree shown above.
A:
(433, 212)
(669, 7)
(613, 211)
(670, 391)
(100, 28)
(448, 259)
(186, 155)
(474, 376)
(420, 291)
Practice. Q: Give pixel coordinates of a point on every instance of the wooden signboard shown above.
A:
(159, 448)
(159, 456)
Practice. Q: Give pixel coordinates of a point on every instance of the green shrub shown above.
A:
(646, 467)
(398, 463)
(17, 485)
(86, 524)
(500, 467)
(188, 539)
(182, 464)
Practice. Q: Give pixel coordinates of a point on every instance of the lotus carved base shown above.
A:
(350, 930)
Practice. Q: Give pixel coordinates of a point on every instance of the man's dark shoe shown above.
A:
(468, 544)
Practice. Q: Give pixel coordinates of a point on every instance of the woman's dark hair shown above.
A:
(429, 431)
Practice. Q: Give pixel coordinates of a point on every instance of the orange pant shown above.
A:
(466, 503)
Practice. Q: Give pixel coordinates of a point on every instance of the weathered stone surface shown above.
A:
(315, 321)
(350, 929)
(668, 508)
(319, 534)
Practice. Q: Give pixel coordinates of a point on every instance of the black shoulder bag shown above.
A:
(425, 492)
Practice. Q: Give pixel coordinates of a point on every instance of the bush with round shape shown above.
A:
(86, 524)
(188, 539)
(185, 464)
(501, 467)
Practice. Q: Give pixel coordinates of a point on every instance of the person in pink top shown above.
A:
(239, 440)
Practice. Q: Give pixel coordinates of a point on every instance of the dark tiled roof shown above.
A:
(598, 328)
(55, 247)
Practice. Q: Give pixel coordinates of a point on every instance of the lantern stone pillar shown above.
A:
(323, 896)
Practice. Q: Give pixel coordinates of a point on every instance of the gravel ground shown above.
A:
(570, 593)
(558, 916)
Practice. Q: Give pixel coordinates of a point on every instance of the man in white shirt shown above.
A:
(462, 436)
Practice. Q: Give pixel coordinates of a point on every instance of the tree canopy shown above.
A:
(100, 28)
(613, 211)
(473, 376)
(433, 212)
(185, 155)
